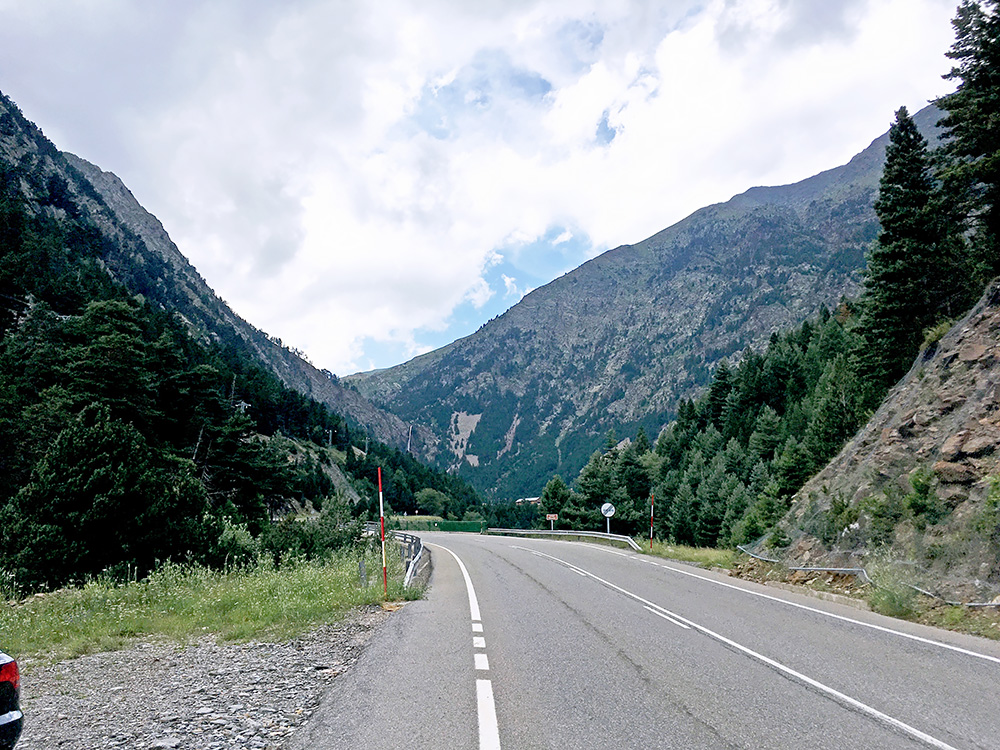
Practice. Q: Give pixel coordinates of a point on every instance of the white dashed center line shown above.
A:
(489, 731)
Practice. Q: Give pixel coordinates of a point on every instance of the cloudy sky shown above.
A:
(371, 180)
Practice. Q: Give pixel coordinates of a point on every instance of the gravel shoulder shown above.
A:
(199, 696)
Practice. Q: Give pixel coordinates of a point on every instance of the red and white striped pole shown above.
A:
(381, 513)
(652, 497)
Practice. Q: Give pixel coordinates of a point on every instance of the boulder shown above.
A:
(953, 473)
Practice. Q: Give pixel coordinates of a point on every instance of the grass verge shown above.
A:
(706, 557)
(181, 603)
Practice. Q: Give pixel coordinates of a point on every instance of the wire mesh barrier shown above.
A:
(863, 575)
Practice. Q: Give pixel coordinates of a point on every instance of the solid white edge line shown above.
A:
(473, 601)
(668, 618)
(836, 694)
(489, 730)
(807, 608)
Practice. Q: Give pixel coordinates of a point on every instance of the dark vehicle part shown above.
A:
(11, 718)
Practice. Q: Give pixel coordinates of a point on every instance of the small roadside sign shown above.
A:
(551, 516)
(608, 510)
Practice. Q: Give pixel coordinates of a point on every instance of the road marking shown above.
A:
(473, 601)
(489, 730)
(844, 618)
(668, 618)
(841, 698)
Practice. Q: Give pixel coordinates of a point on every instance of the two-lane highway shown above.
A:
(528, 643)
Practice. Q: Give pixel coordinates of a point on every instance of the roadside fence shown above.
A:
(862, 574)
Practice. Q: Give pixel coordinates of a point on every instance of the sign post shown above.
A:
(652, 496)
(552, 517)
(608, 510)
(381, 513)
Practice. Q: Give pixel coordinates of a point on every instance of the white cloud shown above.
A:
(510, 284)
(345, 173)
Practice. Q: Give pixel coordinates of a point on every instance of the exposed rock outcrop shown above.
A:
(940, 426)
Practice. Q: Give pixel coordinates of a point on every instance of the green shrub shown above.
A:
(896, 600)
(934, 334)
(835, 519)
(891, 594)
(311, 538)
(777, 538)
(884, 513)
(922, 503)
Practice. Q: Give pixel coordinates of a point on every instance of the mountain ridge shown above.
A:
(150, 264)
(617, 342)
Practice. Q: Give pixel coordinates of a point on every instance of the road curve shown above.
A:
(550, 644)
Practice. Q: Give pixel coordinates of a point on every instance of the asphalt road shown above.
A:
(565, 645)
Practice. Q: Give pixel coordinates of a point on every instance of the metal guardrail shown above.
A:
(858, 572)
(596, 534)
(410, 550)
(863, 575)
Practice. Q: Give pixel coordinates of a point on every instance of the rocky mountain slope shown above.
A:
(922, 476)
(617, 342)
(140, 254)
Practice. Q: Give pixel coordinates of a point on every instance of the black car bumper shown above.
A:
(10, 729)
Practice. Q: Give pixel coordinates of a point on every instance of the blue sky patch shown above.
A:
(488, 80)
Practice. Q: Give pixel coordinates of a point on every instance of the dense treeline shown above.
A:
(721, 471)
(124, 442)
(724, 471)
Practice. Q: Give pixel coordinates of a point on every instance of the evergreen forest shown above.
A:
(125, 443)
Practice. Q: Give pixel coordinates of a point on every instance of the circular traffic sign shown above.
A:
(607, 510)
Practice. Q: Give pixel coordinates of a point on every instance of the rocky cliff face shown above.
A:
(140, 254)
(939, 430)
(617, 342)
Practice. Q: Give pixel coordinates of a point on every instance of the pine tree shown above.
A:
(907, 273)
(718, 393)
(682, 515)
(79, 513)
(766, 435)
(835, 412)
(642, 445)
(972, 126)
(555, 496)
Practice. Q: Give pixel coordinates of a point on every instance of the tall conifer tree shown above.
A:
(972, 127)
(902, 280)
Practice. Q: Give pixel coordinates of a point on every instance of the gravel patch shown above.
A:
(200, 696)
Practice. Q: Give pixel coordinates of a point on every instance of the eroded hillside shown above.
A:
(921, 477)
